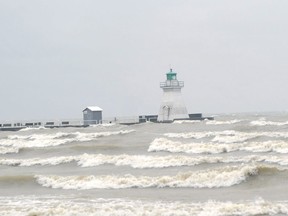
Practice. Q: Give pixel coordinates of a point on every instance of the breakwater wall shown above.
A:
(18, 125)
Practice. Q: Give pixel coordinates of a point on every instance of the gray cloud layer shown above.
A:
(57, 57)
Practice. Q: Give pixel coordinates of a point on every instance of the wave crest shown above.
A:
(69, 205)
(263, 122)
(214, 122)
(213, 178)
(143, 161)
(16, 142)
(163, 144)
(227, 136)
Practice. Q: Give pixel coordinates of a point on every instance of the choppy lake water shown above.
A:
(235, 165)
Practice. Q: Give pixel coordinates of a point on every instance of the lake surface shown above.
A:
(234, 165)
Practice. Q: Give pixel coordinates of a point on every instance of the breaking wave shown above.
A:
(186, 121)
(13, 143)
(142, 161)
(212, 178)
(208, 122)
(194, 135)
(59, 205)
(39, 161)
(227, 136)
(214, 122)
(103, 125)
(267, 146)
(8, 149)
(263, 122)
(163, 144)
(34, 128)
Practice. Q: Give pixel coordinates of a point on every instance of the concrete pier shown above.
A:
(16, 126)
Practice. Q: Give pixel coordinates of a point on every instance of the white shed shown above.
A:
(92, 115)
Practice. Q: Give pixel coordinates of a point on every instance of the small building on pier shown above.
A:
(92, 115)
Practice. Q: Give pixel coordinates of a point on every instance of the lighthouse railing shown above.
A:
(172, 83)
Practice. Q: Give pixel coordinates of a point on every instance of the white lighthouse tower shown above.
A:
(172, 105)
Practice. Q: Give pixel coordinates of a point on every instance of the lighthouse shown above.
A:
(172, 104)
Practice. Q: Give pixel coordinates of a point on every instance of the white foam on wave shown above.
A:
(34, 128)
(142, 161)
(186, 121)
(263, 122)
(50, 140)
(8, 150)
(135, 161)
(194, 135)
(200, 135)
(212, 178)
(58, 205)
(35, 140)
(214, 122)
(103, 125)
(163, 144)
(267, 146)
(246, 136)
(39, 161)
(209, 122)
(81, 137)
(227, 136)
(70, 205)
(42, 206)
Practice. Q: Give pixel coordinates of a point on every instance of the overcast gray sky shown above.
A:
(59, 56)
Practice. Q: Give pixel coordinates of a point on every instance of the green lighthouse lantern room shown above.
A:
(171, 75)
